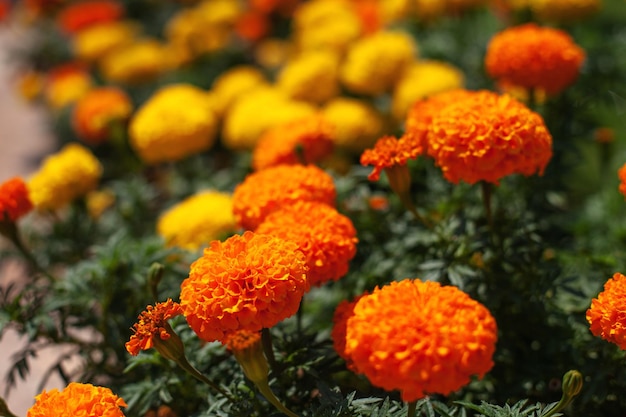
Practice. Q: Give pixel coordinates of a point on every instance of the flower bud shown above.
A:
(572, 383)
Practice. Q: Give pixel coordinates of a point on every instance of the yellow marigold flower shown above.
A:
(534, 57)
(249, 117)
(267, 190)
(66, 84)
(357, 123)
(247, 282)
(326, 237)
(388, 152)
(31, 84)
(96, 41)
(234, 83)
(64, 176)
(272, 53)
(177, 121)
(375, 63)
(77, 399)
(488, 136)
(423, 79)
(140, 61)
(420, 338)
(622, 178)
(152, 323)
(607, 314)
(98, 202)
(94, 113)
(302, 141)
(564, 10)
(14, 200)
(313, 76)
(197, 220)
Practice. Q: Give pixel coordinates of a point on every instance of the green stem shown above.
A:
(268, 349)
(487, 192)
(191, 370)
(412, 409)
(14, 236)
(4, 409)
(265, 389)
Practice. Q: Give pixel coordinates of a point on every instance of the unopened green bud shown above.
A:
(572, 383)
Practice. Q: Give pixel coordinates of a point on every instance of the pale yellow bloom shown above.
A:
(233, 83)
(138, 62)
(96, 41)
(357, 124)
(312, 76)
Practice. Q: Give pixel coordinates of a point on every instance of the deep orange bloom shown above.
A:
(265, 191)
(78, 16)
(622, 180)
(152, 323)
(390, 151)
(241, 340)
(302, 141)
(533, 57)
(248, 282)
(420, 337)
(343, 312)
(5, 9)
(96, 110)
(487, 136)
(14, 199)
(326, 237)
(607, 314)
(77, 400)
(252, 25)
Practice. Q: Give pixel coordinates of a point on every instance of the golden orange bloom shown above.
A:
(534, 57)
(95, 112)
(252, 25)
(14, 199)
(420, 337)
(607, 314)
(488, 136)
(343, 312)
(66, 84)
(302, 141)
(77, 399)
(326, 237)
(621, 173)
(390, 151)
(265, 191)
(78, 16)
(248, 282)
(152, 323)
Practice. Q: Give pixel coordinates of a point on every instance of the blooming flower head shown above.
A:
(306, 140)
(77, 399)
(78, 16)
(93, 43)
(177, 121)
(343, 312)
(248, 282)
(14, 199)
(247, 349)
(607, 314)
(94, 113)
(197, 220)
(564, 10)
(326, 237)
(65, 84)
(267, 190)
(313, 76)
(387, 152)
(64, 176)
(234, 83)
(137, 62)
(621, 173)
(534, 57)
(486, 137)
(151, 324)
(420, 338)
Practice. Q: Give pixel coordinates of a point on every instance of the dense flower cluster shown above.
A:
(265, 191)
(248, 282)
(534, 57)
(420, 337)
(388, 152)
(197, 220)
(152, 323)
(607, 314)
(95, 112)
(63, 177)
(14, 199)
(326, 237)
(77, 399)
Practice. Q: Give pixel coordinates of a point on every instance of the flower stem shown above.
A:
(487, 192)
(412, 408)
(191, 370)
(265, 389)
(268, 349)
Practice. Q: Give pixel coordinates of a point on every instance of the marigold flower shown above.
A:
(374, 64)
(387, 152)
(247, 348)
(77, 399)
(488, 136)
(94, 113)
(14, 200)
(621, 173)
(267, 190)
(234, 83)
(66, 84)
(326, 237)
(64, 176)
(607, 314)
(137, 62)
(534, 57)
(427, 10)
(78, 16)
(313, 76)
(343, 312)
(301, 141)
(93, 43)
(152, 323)
(176, 121)
(564, 10)
(247, 282)
(197, 220)
(98, 202)
(420, 337)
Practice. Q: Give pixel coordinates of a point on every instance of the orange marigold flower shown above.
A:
(621, 173)
(343, 312)
(14, 199)
(305, 141)
(77, 399)
(248, 282)
(326, 237)
(534, 57)
(389, 151)
(488, 136)
(66, 84)
(152, 323)
(78, 16)
(97, 110)
(607, 314)
(267, 190)
(420, 337)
